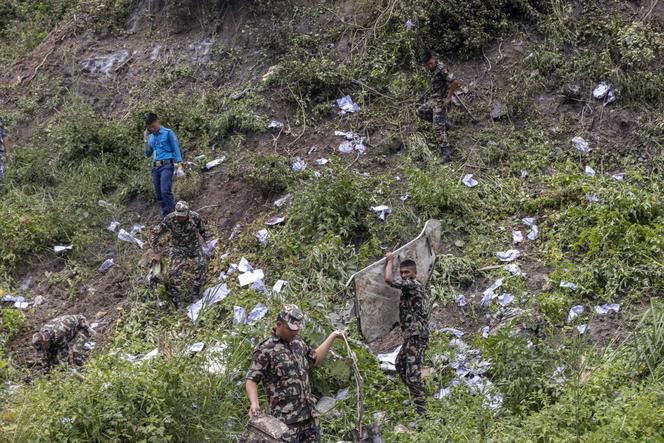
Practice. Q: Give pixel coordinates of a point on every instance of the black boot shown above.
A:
(447, 156)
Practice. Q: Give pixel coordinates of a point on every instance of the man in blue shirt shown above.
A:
(161, 145)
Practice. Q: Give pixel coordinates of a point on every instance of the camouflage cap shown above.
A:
(182, 209)
(293, 316)
(38, 340)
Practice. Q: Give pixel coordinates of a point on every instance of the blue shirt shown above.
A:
(164, 145)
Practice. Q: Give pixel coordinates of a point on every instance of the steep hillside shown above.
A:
(78, 78)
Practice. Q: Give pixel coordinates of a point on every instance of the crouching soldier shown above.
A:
(282, 362)
(62, 340)
(188, 263)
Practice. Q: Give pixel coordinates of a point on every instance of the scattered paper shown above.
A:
(353, 142)
(388, 361)
(211, 296)
(262, 236)
(528, 221)
(275, 220)
(298, 165)
(524, 173)
(453, 331)
(62, 248)
(210, 246)
(322, 161)
(566, 284)
(278, 286)
(274, 124)
(281, 201)
(461, 301)
(618, 176)
(574, 312)
(104, 204)
(244, 265)
(194, 348)
(505, 299)
(517, 237)
(259, 311)
(239, 315)
(605, 309)
(489, 294)
(513, 269)
(113, 226)
(342, 394)
(347, 105)
(590, 172)
(469, 181)
(509, 255)
(592, 198)
(405, 197)
(213, 163)
(17, 300)
(250, 277)
(106, 265)
(581, 328)
(605, 92)
(89, 345)
(581, 145)
(127, 237)
(382, 211)
(485, 332)
(259, 285)
(410, 25)
(534, 232)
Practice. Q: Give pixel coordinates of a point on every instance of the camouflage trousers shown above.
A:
(187, 276)
(409, 366)
(307, 431)
(72, 352)
(433, 112)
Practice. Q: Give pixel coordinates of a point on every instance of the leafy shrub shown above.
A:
(314, 79)
(437, 192)
(13, 321)
(239, 118)
(270, 174)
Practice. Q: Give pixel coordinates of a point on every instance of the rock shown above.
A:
(499, 111)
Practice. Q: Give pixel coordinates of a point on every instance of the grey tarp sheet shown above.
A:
(377, 303)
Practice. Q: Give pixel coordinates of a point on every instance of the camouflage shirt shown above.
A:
(440, 80)
(62, 331)
(284, 370)
(413, 307)
(184, 236)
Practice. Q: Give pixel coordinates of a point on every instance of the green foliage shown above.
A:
(649, 341)
(438, 192)
(312, 79)
(270, 174)
(13, 321)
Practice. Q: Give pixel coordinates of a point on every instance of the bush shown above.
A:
(270, 174)
(313, 79)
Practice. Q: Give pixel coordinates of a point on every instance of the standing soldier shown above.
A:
(4, 154)
(162, 146)
(62, 340)
(188, 263)
(282, 363)
(443, 85)
(414, 319)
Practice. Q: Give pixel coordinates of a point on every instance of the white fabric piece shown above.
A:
(127, 237)
(581, 144)
(566, 284)
(509, 255)
(574, 312)
(250, 277)
(216, 162)
(517, 237)
(382, 211)
(590, 172)
(62, 248)
(469, 181)
(388, 361)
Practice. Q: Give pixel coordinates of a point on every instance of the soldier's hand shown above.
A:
(389, 256)
(339, 334)
(254, 410)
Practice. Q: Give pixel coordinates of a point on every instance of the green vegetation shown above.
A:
(556, 384)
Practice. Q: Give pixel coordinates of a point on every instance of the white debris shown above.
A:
(605, 92)
(566, 284)
(239, 315)
(18, 300)
(489, 294)
(259, 311)
(281, 201)
(505, 299)
(410, 25)
(211, 296)
(405, 197)
(353, 142)
(278, 286)
(127, 237)
(528, 221)
(298, 165)
(605, 309)
(620, 176)
(210, 246)
(259, 285)
(215, 361)
(485, 332)
(342, 394)
(275, 220)
(104, 204)
(244, 265)
(347, 105)
(89, 345)
(524, 173)
(382, 211)
(262, 236)
(590, 172)
(274, 124)
(592, 198)
(322, 161)
(581, 328)
(581, 144)
(509, 255)
(469, 181)
(454, 331)
(136, 229)
(461, 300)
(534, 232)
(113, 226)
(216, 162)
(574, 312)
(517, 237)
(62, 248)
(105, 64)
(250, 277)
(513, 269)
(106, 265)
(195, 347)
(388, 361)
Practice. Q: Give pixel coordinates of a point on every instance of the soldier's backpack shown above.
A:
(265, 428)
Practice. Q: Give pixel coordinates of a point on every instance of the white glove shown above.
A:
(179, 172)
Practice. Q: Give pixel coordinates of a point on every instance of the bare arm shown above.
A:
(324, 348)
(389, 277)
(252, 394)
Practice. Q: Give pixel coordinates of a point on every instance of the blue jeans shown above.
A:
(162, 179)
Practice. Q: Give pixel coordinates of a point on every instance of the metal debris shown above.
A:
(106, 265)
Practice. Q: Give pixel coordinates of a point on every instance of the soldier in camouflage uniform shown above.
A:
(4, 155)
(188, 262)
(414, 319)
(282, 362)
(62, 340)
(443, 85)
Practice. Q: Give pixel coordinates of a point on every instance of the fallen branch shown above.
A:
(358, 386)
